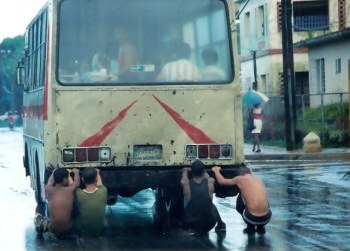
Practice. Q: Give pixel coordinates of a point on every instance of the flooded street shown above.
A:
(310, 205)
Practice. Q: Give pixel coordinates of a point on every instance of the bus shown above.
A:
(137, 88)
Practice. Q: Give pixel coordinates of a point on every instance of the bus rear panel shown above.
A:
(106, 87)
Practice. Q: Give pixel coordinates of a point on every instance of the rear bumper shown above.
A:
(127, 182)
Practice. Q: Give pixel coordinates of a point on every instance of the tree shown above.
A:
(11, 51)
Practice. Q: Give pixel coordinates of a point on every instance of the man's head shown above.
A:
(180, 50)
(243, 170)
(210, 56)
(197, 168)
(100, 61)
(121, 34)
(60, 176)
(89, 175)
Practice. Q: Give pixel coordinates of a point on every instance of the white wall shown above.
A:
(334, 82)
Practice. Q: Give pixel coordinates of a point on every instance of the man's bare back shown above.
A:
(60, 206)
(253, 193)
(251, 188)
(60, 197)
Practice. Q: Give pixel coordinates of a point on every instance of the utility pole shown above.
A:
(288, 74)
(255, 83)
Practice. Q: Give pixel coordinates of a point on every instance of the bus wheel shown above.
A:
(160, 212)
(176, 209)
(41, 206)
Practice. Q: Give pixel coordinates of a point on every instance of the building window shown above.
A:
(320, 76)
(338, 65)
(263, 84)
(260, 21)
(310, 15)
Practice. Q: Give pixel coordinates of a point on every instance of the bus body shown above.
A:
(138, 129)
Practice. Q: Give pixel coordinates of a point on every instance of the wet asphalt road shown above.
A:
(310, 205)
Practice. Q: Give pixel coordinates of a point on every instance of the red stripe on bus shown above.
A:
(198, 136)
(32, 112)
(99, 137)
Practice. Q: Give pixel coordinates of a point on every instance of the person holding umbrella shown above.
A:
(256, 99)
(256, 113)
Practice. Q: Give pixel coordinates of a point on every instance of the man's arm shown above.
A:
(185, 183)
(221, 180)
(50, 184)
(51, 181)
(99, 179)
(76, 180)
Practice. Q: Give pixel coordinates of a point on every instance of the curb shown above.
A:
(298, 157)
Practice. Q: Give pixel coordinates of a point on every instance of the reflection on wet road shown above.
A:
(310, 205)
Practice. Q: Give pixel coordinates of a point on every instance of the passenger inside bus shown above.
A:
(100, 70)
(136, 37)
(127, 55)
(211, 71)
(180, 68)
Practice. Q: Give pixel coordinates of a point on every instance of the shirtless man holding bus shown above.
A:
(59, 192)
(252, 201)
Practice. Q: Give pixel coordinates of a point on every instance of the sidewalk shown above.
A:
(281, 154)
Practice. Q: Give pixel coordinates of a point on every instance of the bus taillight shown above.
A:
(203, 151)
(81, 154)
(209, 151)
(68, 155)
(214, 151)
(226, 151)
(93, 154)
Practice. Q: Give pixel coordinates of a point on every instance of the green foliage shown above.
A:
(336, 138)
(11, 51)
(334, 129)
(334, 132)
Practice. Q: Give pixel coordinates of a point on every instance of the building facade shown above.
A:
(261, 27)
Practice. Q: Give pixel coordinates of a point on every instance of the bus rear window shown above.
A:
(138, 42)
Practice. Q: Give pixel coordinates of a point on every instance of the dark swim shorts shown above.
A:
(256, 220)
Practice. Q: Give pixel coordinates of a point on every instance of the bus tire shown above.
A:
(41, 207)
(176, 209)
(160, 212)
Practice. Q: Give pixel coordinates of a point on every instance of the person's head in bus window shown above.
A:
(121, 34)
(211, 71)
(210, 56)
(180, 68)
(181, 50)
(100, 70)
(127, 54)
(100, 61)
